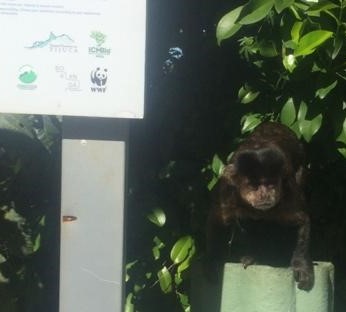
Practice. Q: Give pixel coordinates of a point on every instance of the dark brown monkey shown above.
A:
(262, 182)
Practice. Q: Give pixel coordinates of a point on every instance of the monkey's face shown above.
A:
(257, 176)
(262, 194)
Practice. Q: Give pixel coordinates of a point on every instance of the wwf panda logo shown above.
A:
(99, 76)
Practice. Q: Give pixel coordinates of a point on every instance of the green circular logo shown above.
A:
(27, 74)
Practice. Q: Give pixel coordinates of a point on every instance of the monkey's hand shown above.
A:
(246, 261)
(303, 272)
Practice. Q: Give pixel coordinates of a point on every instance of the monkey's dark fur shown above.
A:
(261, 188)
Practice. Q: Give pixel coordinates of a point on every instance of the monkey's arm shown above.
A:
(301, 262)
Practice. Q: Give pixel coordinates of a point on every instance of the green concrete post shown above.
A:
(262, 289)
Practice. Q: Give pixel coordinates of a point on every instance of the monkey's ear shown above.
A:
(229, 173)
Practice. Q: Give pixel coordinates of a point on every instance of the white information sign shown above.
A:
(72, 57)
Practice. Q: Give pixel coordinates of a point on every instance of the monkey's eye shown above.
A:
(270, 182)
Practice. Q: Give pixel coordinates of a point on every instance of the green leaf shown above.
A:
(137, 288)
(128, 267)
(156, 252)
(338, 43)
(227, 26)
(2, 259)
(288, 113)
(303, 109)
(250, 122)
(267, 48)
(181, 249)
(212, 183)
(184, 301)
(342, 151)
(247, 95)
(296, 31)
(42, 221)
(323, 92)
(342, 136)
(156, 249)
(186, 263)
(317, 8)
(37, 243)
(254, 11)
(157, 216)
(281, 5)
(312, 40)
(148, 275)
(308, 128)
(178, 279)
(289, 62)
(295, 129)
(165, 280)
(217, 165)
(129, 307)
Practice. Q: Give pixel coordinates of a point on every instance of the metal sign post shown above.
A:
(92, 213)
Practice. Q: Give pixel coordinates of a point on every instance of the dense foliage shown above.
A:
(28, 210)
(283, 60)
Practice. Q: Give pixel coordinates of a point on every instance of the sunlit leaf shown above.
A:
(280, 5)
(338, 43)
(342, 136)
(129, 307)
(212, 183)
(186, 263)
(250, 122)
(127, 268)
(288, 113)
(156, 252)
(42, 221)
(217, 165)
(289, 62)
(37, 243)
(227, 26)
(316, 123)
(148, 275)
(317, 8)
(184, 301)
(2, 259)
(178, 279)
(312, 40)
(254, 11)
(247, 95)
(165, 280)
(323, 92)
(137, 288)
(157, 216)
(156, 249)
(181, 249)
(303, 109)
(309, 127)
(342, 151)
(295, 31)
(295, 128)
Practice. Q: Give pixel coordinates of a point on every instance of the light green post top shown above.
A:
(263, 289)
